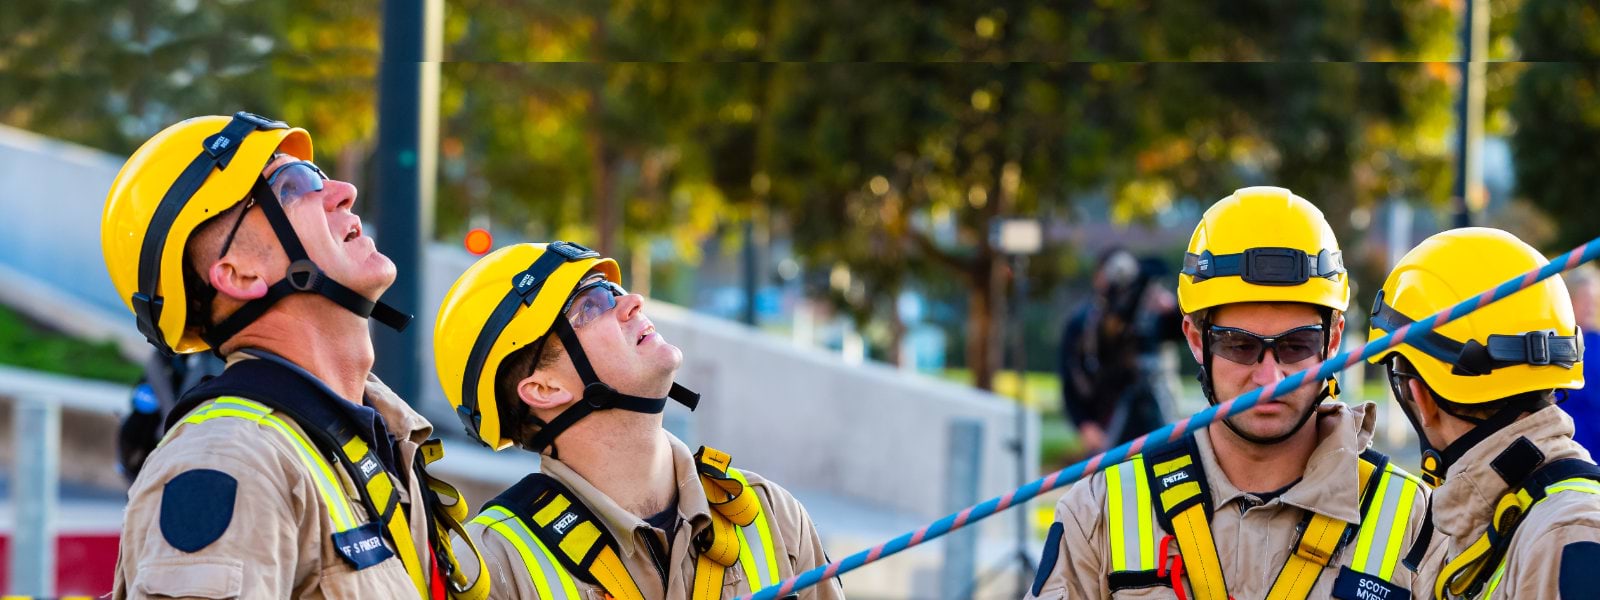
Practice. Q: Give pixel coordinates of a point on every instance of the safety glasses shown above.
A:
(289, 182)
(1246, 348)
(591, 300)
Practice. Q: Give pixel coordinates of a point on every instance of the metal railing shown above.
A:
(38, 399)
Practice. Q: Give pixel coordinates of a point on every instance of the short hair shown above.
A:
(196, 282)
(517, 422)
(198, 292)
(1533, 400)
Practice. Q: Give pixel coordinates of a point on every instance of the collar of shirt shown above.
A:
(373, 427)
(1465, 503)
(624, 525)
(1330, 476)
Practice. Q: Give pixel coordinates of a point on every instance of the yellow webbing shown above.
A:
(1315, 548)
(379, 488)
(1193, 532)
(1460, 572)
(731, 506)
(449, 519)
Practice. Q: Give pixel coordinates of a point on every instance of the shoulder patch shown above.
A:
(1047, 560)
(196, 508)
(1579, 579)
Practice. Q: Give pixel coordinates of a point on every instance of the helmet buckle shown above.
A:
(1275, 266)
(1538, 344)
(303, 275)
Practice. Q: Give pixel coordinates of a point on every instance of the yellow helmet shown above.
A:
(1263, 244)
(184, 175)
(1526, 342)
(502, 303)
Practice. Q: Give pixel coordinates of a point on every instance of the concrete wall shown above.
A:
(804, 418)
(51, 200)
(865, 445)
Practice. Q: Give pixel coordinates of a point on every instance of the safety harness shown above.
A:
(1172, 486)
(215, 154)
(560, 539)
(1522, 466)
(272, 395)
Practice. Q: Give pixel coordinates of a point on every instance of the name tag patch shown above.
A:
(362, 546)
(1355, 585)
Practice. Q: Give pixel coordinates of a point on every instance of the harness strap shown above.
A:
(1470, 573)
(1177, 479)
(1387, 496)
(563, 540)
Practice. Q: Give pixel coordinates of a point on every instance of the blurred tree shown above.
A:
(1556, 109)
(111, 74)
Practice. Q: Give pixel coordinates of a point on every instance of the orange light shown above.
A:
(478, 241)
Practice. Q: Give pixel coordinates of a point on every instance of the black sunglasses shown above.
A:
(1247, 348)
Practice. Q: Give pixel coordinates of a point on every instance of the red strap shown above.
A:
(437, 587)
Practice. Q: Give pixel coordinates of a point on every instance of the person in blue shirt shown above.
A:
(1584, 404)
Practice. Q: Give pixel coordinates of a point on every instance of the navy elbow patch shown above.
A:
(1579, 579)
(1047, 560)
(196, 508)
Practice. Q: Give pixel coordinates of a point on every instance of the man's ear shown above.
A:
(1427, 407)
(237, 281)
(1335, 337)
(541, 392)
(1192, 333)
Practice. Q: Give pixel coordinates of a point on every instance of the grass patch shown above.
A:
(26, 344)
(1043, 388)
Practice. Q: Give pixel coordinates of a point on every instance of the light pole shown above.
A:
(1019, 239)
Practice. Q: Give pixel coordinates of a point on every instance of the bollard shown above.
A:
(37, 434)
(961, 489)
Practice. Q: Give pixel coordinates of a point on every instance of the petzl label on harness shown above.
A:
(362, 546)
(1355, 585)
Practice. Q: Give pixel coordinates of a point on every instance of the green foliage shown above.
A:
(24, 344)
(1557, 113)
(883, 138)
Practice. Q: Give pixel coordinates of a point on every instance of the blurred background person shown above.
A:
(1583, 283)
(1114, 383)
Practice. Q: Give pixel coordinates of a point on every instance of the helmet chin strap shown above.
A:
(1437, 462)
(597, 395)
(303, 276)
(1328, 391)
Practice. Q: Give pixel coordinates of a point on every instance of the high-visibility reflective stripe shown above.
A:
(1399, 519)
(1371, 532)
(1494, 582)
(1145, 517)
(332, 492)
(756, 552)
(549, 579)
(1132, 536)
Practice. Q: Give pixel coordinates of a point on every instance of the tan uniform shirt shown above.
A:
(279, 543)
(794, 535)
(1253, 539)
(1465, 503)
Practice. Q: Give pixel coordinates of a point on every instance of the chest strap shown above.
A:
(359, 541)
(1469, 574)
(1182, 504)
(560, 539)
(256, 389)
